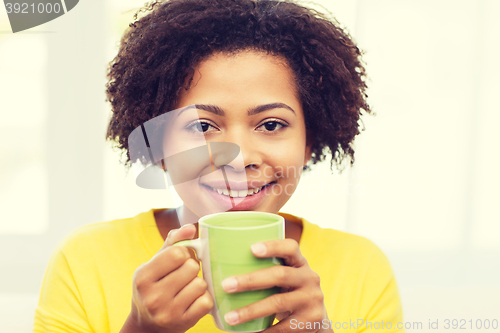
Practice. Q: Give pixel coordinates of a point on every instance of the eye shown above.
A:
(200, 126)
(273, 125)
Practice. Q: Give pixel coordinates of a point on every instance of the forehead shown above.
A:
(244, 75)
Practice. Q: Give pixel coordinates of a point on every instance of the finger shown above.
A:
(187, 295)
(282, 315)
(288, 249)
(187, 231)
(174, 282)
(162, 263)
(276, 276)
(263, 308)
(200, 307)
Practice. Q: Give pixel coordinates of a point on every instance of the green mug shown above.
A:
(224, 250)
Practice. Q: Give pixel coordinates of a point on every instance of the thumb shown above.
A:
(187, 231)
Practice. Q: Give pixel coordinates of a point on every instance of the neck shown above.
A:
(169, 219)
(186, 216)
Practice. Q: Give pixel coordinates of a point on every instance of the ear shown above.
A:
(308, 150)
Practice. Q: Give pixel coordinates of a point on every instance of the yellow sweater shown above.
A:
(88, 284)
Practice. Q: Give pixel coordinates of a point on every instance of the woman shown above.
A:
(287, 86)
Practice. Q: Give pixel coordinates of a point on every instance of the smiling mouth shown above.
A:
(239, 194)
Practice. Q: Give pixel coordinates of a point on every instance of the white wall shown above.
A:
(424, 186)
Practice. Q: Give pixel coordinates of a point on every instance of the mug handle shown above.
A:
(194, 244)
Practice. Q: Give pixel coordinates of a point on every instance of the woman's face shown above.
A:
(248, 99)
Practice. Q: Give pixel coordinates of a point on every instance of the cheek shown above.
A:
(287, 162)
(175, 145)
(291, 152)
(189, 194)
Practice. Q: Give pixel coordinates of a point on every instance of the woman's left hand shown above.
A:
(301, 306)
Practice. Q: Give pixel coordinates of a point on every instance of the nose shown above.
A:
(247, 158)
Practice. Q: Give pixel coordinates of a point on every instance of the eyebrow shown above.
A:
(252, 111)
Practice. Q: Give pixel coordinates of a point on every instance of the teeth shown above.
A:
(238, 194)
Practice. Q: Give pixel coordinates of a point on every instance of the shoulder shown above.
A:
(91, 265)
(340, 239)
(126, 237)
(333, 241)
(357, 250)
(99, 248)
(357, 261)
(96, 233)
(339, 249)
(352, 267)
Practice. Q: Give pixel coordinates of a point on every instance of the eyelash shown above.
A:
(192, 127)
(274, 120)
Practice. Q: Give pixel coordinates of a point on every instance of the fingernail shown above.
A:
(185, 225)
(230, 284)
(231, 317)
(258, 249)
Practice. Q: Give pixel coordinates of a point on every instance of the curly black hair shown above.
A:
(160, 51)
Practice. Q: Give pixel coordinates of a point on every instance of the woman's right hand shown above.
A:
(168, 296)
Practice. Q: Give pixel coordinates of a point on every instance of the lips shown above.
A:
(238, 199)
(233, 183)
(237, 193)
